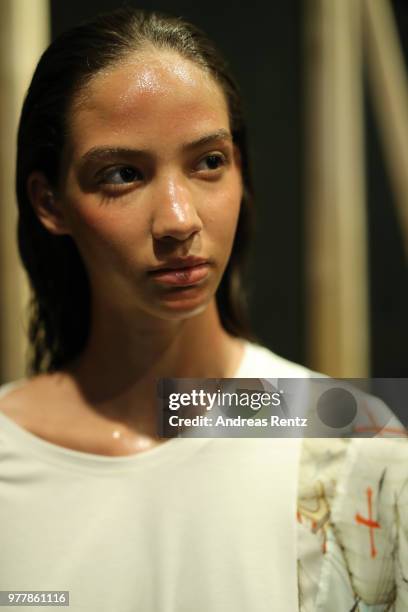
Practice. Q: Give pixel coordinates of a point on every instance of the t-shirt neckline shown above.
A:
(54, 452)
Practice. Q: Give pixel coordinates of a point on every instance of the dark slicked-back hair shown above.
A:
(60, 303)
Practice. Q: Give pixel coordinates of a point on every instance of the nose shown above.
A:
(175, 215)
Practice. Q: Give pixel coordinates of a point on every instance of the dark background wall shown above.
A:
(263, 42)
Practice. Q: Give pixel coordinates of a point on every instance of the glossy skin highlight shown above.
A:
(136, 190)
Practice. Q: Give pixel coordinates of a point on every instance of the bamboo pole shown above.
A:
(389, 86)
(24, 29)
(337, 295)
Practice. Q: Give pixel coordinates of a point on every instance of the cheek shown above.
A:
(99, 231)
(223, 214)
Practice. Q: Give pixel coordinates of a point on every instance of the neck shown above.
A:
(123, 358)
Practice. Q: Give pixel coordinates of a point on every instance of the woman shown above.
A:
(134, 199)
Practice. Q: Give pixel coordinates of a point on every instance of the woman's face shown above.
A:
(150, 174)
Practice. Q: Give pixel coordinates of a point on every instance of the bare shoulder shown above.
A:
(30, 400)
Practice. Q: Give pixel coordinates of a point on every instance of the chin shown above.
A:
(184, 303)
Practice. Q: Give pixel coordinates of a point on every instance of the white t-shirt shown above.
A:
(192, 525)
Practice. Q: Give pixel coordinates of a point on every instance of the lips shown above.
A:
(181, 276)
(177, 263)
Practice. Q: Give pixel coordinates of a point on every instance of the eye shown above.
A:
(212, 162)
(120, 175)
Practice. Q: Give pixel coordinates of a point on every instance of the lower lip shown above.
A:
(182, 277)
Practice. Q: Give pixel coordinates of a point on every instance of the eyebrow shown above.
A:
(101, 153)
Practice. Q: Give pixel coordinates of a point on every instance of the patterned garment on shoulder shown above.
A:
(353, 525)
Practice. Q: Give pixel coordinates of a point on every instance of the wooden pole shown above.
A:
(24, 33)
(389, 86)
(336, 252)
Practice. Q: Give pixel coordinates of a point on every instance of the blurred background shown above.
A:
(325, 88)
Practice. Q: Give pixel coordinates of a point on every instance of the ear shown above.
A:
(46, 204)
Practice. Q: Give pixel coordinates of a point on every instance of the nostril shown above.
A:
(167, 227)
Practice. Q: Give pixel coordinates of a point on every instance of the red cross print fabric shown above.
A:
(353, 525)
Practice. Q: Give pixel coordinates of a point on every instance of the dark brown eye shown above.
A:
(212, 162)
(121, 175)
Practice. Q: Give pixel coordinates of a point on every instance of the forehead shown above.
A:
(155, 95)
